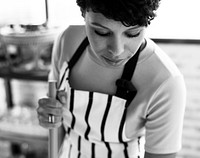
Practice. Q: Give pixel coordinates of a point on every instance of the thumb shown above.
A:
(62, 96)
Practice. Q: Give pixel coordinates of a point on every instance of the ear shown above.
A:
(83, 11)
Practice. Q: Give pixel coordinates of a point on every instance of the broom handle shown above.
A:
(53, 133)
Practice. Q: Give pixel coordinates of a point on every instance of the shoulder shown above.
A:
(159, 70)
(74, 32)
(155, 66)
(64, 47)
(70, 39)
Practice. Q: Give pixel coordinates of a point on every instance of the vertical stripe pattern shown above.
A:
(103, 125)
(87, 114)
(92, 132)
(105, 117)
(91, 125)
(71, 110)
(79, 147)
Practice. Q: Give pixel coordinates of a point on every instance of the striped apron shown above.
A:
(95, 122)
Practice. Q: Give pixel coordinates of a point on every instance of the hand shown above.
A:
(50, 106)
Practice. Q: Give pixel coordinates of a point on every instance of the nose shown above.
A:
(116, 46)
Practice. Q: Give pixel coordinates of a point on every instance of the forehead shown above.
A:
(92, 17)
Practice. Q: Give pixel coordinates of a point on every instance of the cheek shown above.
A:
(96, 43)
(134, 45)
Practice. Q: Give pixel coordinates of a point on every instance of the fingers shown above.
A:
(44, 121)
(47, 107)
(49, 102)
(54, 107)
(45, 112)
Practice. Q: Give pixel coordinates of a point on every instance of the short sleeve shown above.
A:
(56, 51)
(165, 117)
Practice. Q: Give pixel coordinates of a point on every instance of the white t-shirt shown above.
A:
(157, 111)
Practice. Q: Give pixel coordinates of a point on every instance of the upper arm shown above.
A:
(56, 52)
(165, 117)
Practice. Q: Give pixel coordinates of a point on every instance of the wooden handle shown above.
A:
(53, 133)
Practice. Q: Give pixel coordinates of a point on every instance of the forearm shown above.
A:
(61, 135)
(148, 155)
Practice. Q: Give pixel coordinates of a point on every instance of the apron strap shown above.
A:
(125, 88)
(78, 53)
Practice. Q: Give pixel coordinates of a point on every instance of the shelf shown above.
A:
(21, 123)
(17, 131)
(19, 35)
(17, 137)
(27, 146)
(36, 75)
(23, 127)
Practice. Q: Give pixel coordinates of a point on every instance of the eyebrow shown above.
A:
(99, 25)
(134, 27)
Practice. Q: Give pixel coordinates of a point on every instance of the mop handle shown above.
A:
(53, 133)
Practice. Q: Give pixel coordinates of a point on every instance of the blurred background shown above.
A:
(27, 31)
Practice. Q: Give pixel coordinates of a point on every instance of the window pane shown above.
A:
(177, 19)
(22, 12)
(64, 12)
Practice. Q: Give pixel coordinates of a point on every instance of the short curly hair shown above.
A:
(128, 12)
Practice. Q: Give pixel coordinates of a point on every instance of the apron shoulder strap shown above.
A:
(78, 53)
(125, 88)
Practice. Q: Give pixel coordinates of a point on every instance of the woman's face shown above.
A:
(112, 42)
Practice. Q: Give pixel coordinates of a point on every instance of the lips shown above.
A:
(113, 61)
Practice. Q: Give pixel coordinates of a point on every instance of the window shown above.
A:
(22, 11)
(176, 19)
(60, 12)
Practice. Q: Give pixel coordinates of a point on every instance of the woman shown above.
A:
(119, 95)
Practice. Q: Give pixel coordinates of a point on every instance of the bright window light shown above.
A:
(176, 19)
(22, 12)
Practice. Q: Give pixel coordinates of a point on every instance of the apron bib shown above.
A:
(95, 122)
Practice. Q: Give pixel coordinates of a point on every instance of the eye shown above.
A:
(131, 35)
(100, 33)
